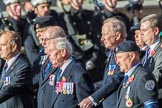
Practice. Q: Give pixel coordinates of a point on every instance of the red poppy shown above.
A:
(131, 78)
(152, 52)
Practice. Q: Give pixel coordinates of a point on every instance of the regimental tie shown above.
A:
(147, 53)
(125, 80)
(49, 64)
(4, 70)
(59, 75)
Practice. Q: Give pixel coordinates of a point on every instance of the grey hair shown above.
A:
(62, 43)
(153, 19)
(15, 38)
(117, 26)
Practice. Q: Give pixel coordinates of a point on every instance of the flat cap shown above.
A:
(127, 46)
(8, 2)
(37, 2)
(45, 21)
(135, 27)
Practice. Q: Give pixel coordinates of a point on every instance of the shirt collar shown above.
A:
(63, 67)
(154, 45)
(9, 63)
(131, 70)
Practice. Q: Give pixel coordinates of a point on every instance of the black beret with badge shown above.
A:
(126, 46)
(135, 27)
(45, 21)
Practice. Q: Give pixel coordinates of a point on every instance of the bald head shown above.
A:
(54, 32)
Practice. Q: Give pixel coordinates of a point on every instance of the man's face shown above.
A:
(123, 60)
(55, 54)
(42, 9)
(108, 36)
(148, 34)
(5, 47)
(14, 10)
(138, 39)
(39, 34)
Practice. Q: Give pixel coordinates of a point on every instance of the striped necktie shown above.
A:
(146, 55)
(4, 70)
(59, 74)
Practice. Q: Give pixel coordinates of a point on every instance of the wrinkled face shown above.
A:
(5, 47)
(42, 9)
(110, 3)
(55, 54)
(138, 39)
(14, 10)
(39, 34)
(108, 36)
(123, 60)
(148, 34)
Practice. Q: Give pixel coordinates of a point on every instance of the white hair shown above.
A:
(62, 43)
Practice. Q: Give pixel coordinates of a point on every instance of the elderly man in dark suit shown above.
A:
(139, 87)
(47, 71)
(150, 29)
(71, 82)
(16, 75)
(113, 32)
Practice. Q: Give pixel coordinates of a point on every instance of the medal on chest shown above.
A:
(130, 80)
(111, 69)
(128, 102)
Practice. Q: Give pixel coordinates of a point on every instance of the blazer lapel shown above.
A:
(13, 65)
(51, 71)
(11, 68)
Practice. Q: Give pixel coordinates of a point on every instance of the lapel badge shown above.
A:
(12, 68)
(129, 103)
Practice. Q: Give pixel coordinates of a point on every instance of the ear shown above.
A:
(132, 56)
(118, 36)
(35, 10)
(63, 52)
(14, 47)
(156, 30)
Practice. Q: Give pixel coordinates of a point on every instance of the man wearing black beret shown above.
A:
(41, 63)
(139, 87)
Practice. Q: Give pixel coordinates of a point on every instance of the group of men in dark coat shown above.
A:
(63, 78)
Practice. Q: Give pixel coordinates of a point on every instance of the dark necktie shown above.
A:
(146, 55)
(125, 79)
(49, 64)
(4, 70)
(59, 74)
